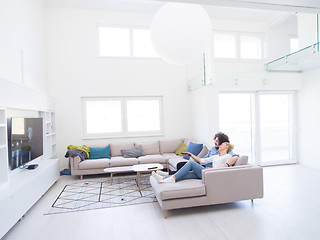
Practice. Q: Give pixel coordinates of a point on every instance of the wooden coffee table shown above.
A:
(115, 170)
(139, 168)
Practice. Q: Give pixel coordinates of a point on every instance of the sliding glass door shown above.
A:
(276, 128)
(236, 119)
(260, 125)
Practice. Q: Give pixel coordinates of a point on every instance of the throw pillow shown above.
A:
(99, 152)
(132, 152)
(180, 149)
(242, 160)
(194, 148)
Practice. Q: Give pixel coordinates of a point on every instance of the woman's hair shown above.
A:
(230, 146)
(222, 137)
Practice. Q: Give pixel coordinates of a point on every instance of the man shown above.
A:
(219, 138)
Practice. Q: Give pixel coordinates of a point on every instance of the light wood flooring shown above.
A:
(290, 209)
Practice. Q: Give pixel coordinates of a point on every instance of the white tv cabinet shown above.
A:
(23, 190)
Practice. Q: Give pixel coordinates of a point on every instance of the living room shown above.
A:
(50, 62)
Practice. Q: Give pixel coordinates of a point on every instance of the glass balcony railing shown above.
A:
(296, 61)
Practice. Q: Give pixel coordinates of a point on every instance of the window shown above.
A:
(122, 116)
(250, 47)
(224, 46)
(238, 128)
(99, 119)
(142, 46)
(125, 42)
(143, 115)
(114, 42)
(237, 46)
(263, 128)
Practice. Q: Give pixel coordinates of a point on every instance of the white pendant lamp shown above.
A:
(180, 33)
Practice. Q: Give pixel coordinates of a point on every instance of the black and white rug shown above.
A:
(94, 194)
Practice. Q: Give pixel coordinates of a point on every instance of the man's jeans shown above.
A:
(190, 170)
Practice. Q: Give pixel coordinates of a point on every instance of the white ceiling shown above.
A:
(146, 6)
(151, 6)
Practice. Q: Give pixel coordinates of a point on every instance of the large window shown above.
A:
(122, 116)
(125, 42)
(224, 45)
(260, 125)
(237, 46)
(250, 47)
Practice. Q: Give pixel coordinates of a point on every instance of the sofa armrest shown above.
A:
(74, 163)
(234, 183)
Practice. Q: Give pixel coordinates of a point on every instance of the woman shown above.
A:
(193, 169)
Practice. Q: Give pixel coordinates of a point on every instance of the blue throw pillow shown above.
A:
(99, 152)
(194, 148)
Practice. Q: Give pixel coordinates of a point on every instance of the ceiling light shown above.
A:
(180, 33)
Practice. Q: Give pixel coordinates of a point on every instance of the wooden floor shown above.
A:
(290, 209)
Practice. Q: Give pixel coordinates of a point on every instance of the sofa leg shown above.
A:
(81, 177)
(165, 214)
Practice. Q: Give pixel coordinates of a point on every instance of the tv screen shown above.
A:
(25, 140)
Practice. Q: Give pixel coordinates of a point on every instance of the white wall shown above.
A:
(308, 113)
(75, 71)
(205, 108)
(22, 43)
(307, 29)
(278, 40)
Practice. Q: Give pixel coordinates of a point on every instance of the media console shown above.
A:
(23, 190)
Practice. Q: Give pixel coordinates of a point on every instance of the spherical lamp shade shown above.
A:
(180, 33)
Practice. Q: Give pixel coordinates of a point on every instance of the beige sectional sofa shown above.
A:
(241, 182)
(155, 152)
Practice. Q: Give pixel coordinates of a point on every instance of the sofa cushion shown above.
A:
(116, 148)
(169, 155)
(149, 148)
(242, 160)
(121, 161)
(174, 161)
(169, 146)
(94, 163)
(180, 149)
(99, 152)
(203, 152)
(132, 152)
(152, 159)
(194, 148)
(181, 189)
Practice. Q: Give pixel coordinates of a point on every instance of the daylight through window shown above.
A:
(122, 116)
(125, 42)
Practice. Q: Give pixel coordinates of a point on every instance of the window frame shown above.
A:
(124, 119)
(238, 46)
(130, 28)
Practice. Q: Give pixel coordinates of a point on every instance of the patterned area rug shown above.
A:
(94, 194)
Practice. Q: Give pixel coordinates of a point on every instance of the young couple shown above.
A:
(219, 156)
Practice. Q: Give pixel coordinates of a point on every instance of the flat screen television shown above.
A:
(25, 140)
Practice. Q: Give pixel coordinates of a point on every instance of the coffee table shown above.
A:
(139, 168)
(114, 170)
